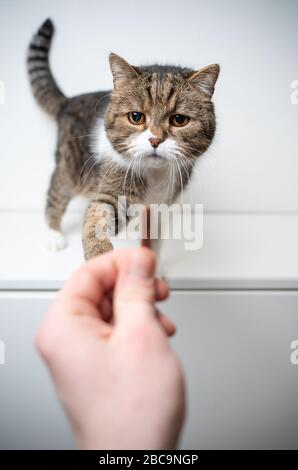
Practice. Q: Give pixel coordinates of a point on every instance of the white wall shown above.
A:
(253, 164)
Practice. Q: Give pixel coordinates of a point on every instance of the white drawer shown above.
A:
(30, 415)
(235, 349)
(242, 386)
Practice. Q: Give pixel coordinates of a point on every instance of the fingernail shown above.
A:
(140, 266)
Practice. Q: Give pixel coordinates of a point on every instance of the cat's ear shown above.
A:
(121, 70)
(205, 79)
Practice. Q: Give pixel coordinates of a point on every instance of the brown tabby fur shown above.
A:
(158, 92)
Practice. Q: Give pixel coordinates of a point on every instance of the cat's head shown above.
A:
(158, 113)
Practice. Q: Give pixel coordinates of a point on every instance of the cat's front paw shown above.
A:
(93, 247)
(56, 241)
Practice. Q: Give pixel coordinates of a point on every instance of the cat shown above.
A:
(140, 140)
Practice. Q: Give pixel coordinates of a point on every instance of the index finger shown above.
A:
(97, 276)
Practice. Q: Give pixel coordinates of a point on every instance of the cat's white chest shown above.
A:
(160, 187)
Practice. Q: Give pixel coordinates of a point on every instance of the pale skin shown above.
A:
(106, 346)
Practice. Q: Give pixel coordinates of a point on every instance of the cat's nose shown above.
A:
(155, 141)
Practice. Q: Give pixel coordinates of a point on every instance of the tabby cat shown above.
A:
(140, 140)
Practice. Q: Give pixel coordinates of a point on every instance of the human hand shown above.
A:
(107, 350)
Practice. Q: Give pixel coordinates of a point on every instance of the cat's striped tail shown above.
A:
(43, 85)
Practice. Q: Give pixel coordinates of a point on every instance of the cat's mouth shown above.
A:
(148, 158)
(154, 160)
(155, 155)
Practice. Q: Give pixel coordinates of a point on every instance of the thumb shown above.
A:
(134, 295)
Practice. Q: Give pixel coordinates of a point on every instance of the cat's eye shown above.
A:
(136, 118)
(179, 120)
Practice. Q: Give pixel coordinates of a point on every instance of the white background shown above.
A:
(253, 163)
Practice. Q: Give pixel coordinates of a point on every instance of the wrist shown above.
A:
(132, 436)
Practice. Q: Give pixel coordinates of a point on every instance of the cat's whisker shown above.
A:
(187, 152)
(188, 165)
(126, 173)
(118, 146)
(194, 168)
(110, 170)
(85, 135)
(196, 152)
(140, 170)
(180, 175)
(165, 179)
(82, 169)
(89, 172)
(186, 170)
(183, 165)
(124, 148)
(79, 182)
(100, 99)
(190, 156)
(132, 181)
(172, 180)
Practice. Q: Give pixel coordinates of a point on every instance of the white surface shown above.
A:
(253, 164)
(239, 251)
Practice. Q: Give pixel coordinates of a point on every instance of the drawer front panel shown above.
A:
(242, 385)
(235, 349)
(30, 414)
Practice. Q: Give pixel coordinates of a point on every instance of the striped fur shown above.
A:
(44, 87)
